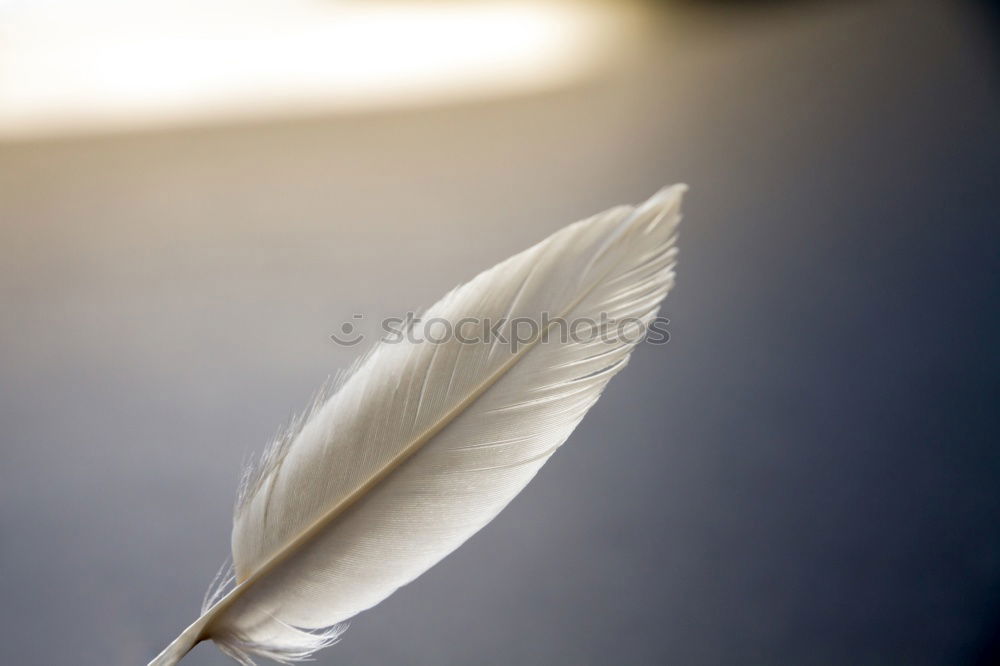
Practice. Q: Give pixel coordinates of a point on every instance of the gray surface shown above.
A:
(806, 474)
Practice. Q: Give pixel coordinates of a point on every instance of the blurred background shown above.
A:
(195, 195)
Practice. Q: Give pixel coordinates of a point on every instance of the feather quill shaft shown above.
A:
(428, 439)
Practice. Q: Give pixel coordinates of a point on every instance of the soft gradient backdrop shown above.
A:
(808, 473)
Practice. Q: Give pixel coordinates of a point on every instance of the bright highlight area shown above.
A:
(71, 67)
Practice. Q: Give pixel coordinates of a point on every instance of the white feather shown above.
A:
(423, 444)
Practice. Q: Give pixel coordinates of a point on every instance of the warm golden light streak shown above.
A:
(107, 66)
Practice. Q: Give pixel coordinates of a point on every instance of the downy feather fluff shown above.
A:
(422, 444)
